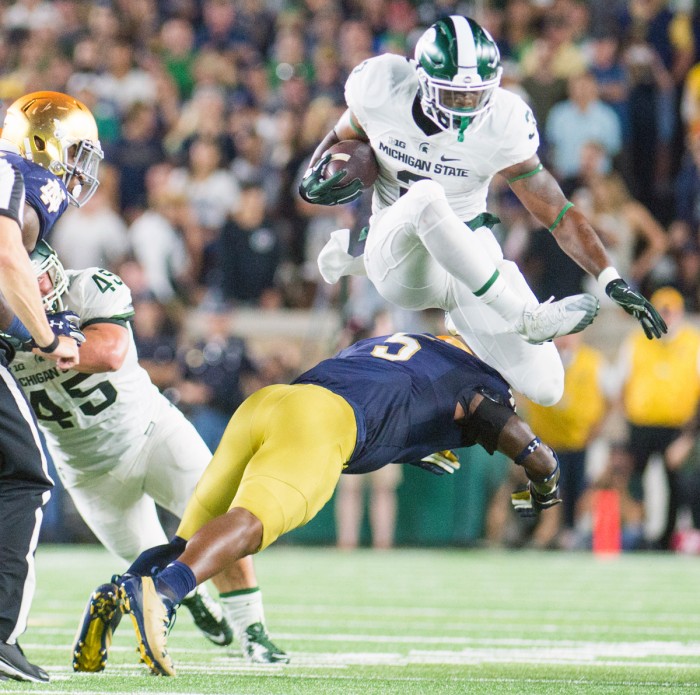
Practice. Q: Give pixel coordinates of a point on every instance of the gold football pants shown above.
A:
(280, 458)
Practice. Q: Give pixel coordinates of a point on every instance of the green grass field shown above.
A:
(407, 622)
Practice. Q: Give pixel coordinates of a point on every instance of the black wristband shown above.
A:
(51, 347)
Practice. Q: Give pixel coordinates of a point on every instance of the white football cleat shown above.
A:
(553, 319)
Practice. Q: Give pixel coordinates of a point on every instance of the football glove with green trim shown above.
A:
(636, 305)
(314, 188)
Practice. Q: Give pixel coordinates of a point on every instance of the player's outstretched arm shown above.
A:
(540, 193)
(496, 427)
(541, 466)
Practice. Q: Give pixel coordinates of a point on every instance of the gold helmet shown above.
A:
(59, 133)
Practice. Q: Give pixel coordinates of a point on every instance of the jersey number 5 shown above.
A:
(410, 347)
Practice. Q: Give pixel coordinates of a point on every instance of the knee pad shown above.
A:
(425, 191)
(547, 392)
(427, 202)
(544, 386)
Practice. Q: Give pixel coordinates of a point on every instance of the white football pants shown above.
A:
(119, 505)
(405, 273)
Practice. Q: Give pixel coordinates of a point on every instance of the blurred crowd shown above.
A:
(208, 111)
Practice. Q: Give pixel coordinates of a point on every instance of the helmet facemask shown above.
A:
(458, 72)
(81, 169)
(45, 260)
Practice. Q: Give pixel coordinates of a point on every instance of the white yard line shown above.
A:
(63, 612)
(670, 655)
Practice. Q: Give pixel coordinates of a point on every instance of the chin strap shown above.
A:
(464, 124)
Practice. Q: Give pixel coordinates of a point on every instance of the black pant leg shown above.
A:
(24, 489)
(572, 482)
(643, 443)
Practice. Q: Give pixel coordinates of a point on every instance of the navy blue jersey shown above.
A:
(404, 389)
(45, 192)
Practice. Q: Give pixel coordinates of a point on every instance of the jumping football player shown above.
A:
(120, 447)
(441, 128)
(387, 399)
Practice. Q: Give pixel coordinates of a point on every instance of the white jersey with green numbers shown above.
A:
(91, 421)
(380, 93)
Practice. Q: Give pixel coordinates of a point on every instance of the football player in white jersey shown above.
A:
(120, 447)
(441, 128)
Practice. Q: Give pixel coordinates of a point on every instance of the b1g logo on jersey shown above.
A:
(397, 143)
(52, 195)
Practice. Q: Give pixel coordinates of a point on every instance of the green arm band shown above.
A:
(526, 175)
(487, 285)
(357, 127)
(563, 212)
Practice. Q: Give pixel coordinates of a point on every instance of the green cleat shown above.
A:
(209, 617)
(258, 648)
(97, 626)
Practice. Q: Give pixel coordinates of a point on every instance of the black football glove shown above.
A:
(636, 305)
(315, 189)
(66, 323)
(439, 463)
(11, 192)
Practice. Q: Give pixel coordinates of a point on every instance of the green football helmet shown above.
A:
(45, 260)
(459, 68)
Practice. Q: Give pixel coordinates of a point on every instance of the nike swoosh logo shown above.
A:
(449, 159)
(216, 639)
(530, 136)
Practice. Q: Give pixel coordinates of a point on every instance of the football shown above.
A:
(357, 158)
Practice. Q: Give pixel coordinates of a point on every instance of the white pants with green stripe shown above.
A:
(408, 253)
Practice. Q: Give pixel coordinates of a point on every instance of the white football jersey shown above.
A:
(380, 93)
(91, 421)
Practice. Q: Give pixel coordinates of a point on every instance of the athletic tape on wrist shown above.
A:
(607, 276)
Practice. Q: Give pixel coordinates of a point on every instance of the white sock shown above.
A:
(242, 609)
(457, 249)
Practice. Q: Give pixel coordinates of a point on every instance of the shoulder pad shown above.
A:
(45, 192)
(374, 81)
(95, 293)
(513, 118)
